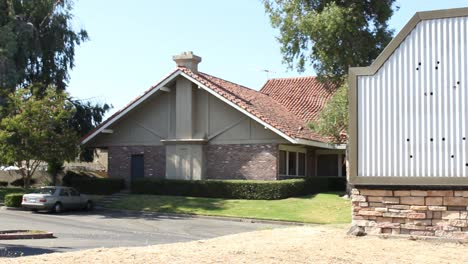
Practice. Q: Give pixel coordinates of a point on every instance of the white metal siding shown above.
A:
(410, 99)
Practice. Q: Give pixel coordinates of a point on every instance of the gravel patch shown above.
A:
(320, 244)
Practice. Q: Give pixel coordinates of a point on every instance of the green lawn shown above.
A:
(323, 208)
(5, 191)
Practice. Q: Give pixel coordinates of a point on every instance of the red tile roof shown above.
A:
(259, 105)
(277, 106)
(305, 97)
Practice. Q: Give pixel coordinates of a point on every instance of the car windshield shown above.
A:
(48, 190)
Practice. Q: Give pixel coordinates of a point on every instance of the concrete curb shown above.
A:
(12, 234)
(223, 218)
(13, 208)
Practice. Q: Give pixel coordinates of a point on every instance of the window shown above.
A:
(74, 192)
(282, 162)
(301, 163)
(292, 163)
(64, 192)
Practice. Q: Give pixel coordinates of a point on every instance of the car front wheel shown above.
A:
(58, 208)
(89, 206)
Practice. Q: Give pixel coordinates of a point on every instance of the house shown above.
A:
(192, 126)
(408, 147)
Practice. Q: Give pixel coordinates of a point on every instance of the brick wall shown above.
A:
(241, 161)
(120, 161)
(436, 213)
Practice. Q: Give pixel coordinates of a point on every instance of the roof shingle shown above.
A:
(305, 97)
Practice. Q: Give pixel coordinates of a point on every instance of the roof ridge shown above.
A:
(204, 77)
(240, 85)
(293, 78)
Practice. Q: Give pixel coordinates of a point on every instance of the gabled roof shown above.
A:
(257, 105)
(305, 97)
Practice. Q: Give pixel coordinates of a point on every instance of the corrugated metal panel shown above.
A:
(412, 113)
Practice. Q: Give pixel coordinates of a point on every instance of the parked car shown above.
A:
(56, 199)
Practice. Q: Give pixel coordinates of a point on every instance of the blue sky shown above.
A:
(132, 43)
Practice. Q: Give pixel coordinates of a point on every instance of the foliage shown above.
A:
(5, 191)
(37, 50)
(87, 116)
(325, 184)
(36, 130)
(231, 189)
(21, 182)
(323, 208)
(333, 120)
(54, 167)
(332, 35)
(3, 183)
(37, 44)
(13, 199)
(90, 184)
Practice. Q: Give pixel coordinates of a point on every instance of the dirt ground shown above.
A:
(321, 244)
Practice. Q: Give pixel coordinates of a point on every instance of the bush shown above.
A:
(13, 199)
(325, 184)
(230, 189)
(70, 176)
(89, 184)
(3, 184)
(20, 182)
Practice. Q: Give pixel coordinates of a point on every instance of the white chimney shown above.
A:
(188, 60)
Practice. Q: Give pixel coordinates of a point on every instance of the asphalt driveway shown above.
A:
(84, 230)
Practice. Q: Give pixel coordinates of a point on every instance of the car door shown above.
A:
(75, 199)
(65, 199)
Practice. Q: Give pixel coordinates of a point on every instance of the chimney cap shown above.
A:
(188, 60)
(187, 55)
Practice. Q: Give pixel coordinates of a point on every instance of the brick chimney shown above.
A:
(188, 60)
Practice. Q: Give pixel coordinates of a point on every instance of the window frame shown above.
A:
(292, 150)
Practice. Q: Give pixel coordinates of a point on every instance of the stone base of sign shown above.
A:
(435, 213)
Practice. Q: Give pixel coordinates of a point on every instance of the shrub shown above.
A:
(92, 185)
(230, 189)
(325, 184)
(20, 182)
(13, 199)
(3, 183)
(70, 176)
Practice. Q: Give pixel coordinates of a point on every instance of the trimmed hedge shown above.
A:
(3, 183)
(20, 182)
(13, 199)
(229, 189)
(240, 189)
(89, 184)
(325, 184)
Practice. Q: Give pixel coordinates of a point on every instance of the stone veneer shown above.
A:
(241, 161)
(120, 160)
(436, 213)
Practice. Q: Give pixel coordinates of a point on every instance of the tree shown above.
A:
(37, 49)
(37, 129)
(333, 120)
(37, 44)
(331, 36)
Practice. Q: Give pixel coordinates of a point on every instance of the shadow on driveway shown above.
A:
(13, 251)
(117, 214)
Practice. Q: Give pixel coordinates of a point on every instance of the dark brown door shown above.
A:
(137, 167)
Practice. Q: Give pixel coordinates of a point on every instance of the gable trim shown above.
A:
(178, 72)
(131, 106)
